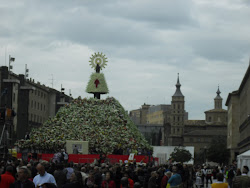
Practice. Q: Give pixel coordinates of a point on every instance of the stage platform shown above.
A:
(79, 158)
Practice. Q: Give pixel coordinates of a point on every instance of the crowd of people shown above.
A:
(101, 174)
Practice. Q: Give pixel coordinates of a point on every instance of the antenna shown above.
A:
(5, 55)
(52, 80)
(62, 89)
(26, 73)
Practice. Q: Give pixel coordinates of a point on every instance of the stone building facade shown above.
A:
(32, 102)
(238, 103)
(177, 130)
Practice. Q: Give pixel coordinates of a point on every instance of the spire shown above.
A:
(178, 88)
(218, 93)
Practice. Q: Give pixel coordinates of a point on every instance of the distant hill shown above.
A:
(104, 123)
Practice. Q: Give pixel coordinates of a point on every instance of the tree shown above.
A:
(180, 155)
(217, 151)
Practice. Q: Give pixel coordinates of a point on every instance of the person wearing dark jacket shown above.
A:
(60, 176)
(75, 181)
(152, 183)
(22, 180)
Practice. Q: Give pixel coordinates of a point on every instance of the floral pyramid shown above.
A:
(104, 123)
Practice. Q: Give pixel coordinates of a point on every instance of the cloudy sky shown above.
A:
(147, 43)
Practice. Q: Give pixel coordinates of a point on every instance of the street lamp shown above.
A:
(11, 59)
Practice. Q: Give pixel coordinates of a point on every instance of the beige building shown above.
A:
(158, 114)
(238, 103)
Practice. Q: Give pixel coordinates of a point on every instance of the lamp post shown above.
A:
(205, 154)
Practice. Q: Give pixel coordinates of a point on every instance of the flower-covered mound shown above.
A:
(104, 123)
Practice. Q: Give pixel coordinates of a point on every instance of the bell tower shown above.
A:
(218, 100)
(177, 116)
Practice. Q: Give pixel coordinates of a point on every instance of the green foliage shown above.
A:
(180, 155)
(102, 86)
(217, 151)
(104, 123)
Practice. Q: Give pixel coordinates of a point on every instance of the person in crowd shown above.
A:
(97, 177)
(68, 170)
(124, 182)
(65, 156)
(242, 181)
(175, 179)
(231, 173)
(75, 150)
(238, 172)
(43, 176)
(130, 181)
(7, 178)
(208, 172)
(185, 176)
(214, 173)
(75, 181)
(89, 181)
(84, 174)
(60, 176)
(108, 182)
(152, 183)
(198, 179)
(219, 183)
(22, 179)
(164, 180)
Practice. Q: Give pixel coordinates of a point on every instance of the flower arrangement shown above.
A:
(104, 123)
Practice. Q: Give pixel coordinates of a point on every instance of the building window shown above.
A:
(41, 94)
(38, 93)
(34, 118)
(32, 104)
(198, 139)
(37, 119)
(35, 105)
(209, 119)
(38, 105)
(178, 106)
(35, 92)
(44, 107)
(40, 119)
(178, 130)
(41, 107)
(44, 96)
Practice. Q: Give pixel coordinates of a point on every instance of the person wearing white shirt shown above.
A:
(43, 176)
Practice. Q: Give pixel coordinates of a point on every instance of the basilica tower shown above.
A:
(177, 117)
(218, 100)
